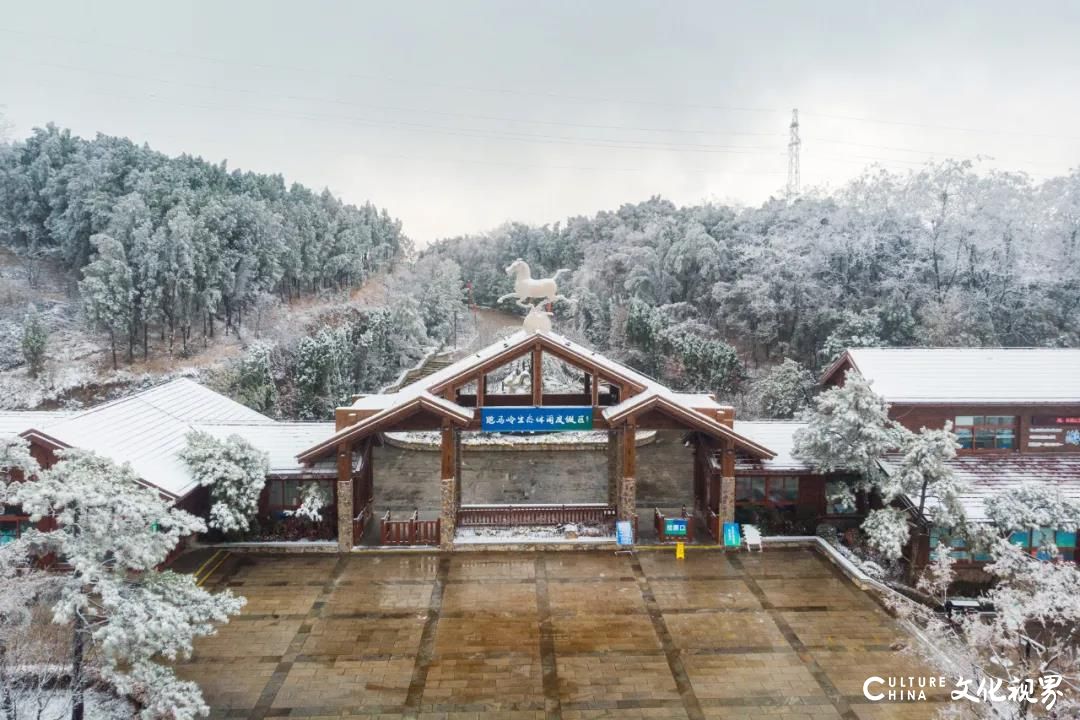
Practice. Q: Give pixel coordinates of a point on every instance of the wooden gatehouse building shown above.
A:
(613, 398)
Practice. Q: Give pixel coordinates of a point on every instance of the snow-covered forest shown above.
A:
(709, 294)
(174, 246)
(165, 258)
(170, 255)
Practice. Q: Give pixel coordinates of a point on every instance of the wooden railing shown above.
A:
(413, 531)
(659, 521)
(591, 514)
(360, 522)
(712, 522)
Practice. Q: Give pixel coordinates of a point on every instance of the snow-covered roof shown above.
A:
(778, 436)
(968, 375)
(988, 475)
(148, 429)
(13, 422)
(380, 409)
(282, 441)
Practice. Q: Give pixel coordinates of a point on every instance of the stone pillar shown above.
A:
(727, 499)
(344, 498)
(727, 484)
(449, 494)
(448, 513)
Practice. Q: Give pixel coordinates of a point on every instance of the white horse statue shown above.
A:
(525, 287)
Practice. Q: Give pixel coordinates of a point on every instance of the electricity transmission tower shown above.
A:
(794, 143)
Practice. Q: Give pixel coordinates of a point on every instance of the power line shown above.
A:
(423, 111)
(530, 93)
(793, 171)
(511, 135)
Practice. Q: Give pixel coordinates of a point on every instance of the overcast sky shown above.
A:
(458, 116)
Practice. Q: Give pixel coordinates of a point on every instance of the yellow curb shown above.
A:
(200, 576)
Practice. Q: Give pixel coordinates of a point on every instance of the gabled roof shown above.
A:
(668, 403)
(989, 475)
(13, 422)
(384, 409)
(967, 375)
(408, 405)
(148, 429)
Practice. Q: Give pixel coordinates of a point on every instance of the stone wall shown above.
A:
(409, 479)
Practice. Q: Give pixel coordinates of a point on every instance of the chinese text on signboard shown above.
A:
(526, 419)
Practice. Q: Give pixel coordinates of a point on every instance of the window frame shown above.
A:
(768, 484)
(976, 428)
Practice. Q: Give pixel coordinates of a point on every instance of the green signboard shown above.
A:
(732, 538)
(675, 526)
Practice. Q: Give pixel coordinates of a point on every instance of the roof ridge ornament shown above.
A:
(526, 288)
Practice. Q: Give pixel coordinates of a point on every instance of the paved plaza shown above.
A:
(778, 635)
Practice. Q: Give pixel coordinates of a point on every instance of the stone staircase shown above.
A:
(432, 365)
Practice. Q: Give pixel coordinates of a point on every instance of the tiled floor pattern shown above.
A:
(778, 635)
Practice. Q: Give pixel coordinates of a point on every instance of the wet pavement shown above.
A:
(779, 635)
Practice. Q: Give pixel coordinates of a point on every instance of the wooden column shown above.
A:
(449, 491)
(628, 482)
(537, 375)
(699, 473)
(457, 470)
(345, 497)
(481, 389)
(727, 482)
(594, 390)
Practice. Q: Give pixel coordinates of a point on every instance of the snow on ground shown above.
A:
(534, 534)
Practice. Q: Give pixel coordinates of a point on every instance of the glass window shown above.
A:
(1020, 538)
(742, 490)
(9, 531)
(986, 432)
(1042, 537)
(784, 491)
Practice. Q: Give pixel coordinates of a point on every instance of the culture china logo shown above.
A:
(1044, 691)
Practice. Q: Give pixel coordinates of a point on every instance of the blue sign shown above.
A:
(533, 418)
(732, 538)
(624, 533)
(675, 526)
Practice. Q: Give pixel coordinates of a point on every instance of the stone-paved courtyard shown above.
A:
(779, 635)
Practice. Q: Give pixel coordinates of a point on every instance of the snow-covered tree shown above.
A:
(1031, 506)
(35, 338)
(313, 498)
(114, 532)
(784, 390)
(1027, 651)
(235, 472)
(848, 430)
(923, 473)
(107, 290)
(887, 531)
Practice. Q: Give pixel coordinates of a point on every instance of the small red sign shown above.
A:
(1054, 420)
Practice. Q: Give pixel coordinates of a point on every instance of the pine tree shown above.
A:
(35, 338)
(114, 533)
(848, 431)
(235, 472)
(107, 290)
